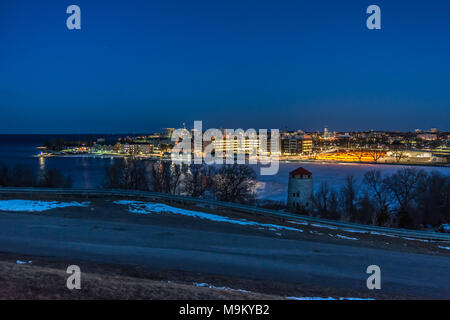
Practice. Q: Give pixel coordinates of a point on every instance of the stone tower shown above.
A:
(300, 189)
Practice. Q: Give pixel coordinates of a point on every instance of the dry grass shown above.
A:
(46, 278)
(26, 282)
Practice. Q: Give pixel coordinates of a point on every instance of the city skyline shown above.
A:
(140, 66)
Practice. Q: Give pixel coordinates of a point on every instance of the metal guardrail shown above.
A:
(425, 235)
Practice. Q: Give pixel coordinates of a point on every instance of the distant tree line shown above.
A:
(59, 144)
(231, 183)
(409, 198)
(20, 176)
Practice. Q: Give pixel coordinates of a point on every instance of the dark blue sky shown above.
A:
(138, 66)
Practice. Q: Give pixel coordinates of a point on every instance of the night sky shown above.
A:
(139, 66)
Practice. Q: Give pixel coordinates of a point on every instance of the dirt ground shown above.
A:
(45, 279)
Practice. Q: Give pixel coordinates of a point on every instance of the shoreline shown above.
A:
(153, 157)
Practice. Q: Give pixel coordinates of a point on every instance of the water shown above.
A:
(88, 172)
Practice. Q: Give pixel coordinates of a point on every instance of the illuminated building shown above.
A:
(296, 144)
(246, 144)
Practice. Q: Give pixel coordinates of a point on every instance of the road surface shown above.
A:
(224, 252)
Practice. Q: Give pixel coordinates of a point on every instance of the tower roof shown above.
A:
(299, 172)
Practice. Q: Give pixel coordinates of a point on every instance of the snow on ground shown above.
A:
(298, 222)
(205, 285)
(355, 231)
(149, 208)
(141, 207)
(24, 262)
(445, 248)
(322, 226)
(34, 206)
(344, 237)
(382, 234)
(415, 239)
(367, 232)
(329, 298)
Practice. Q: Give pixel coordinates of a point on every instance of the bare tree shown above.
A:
(136, 174)
(404, 186)
(326, 202)
(348, 193)
(433, 199)
(235, 183)
(127, 173)
(321, 199)
(159, 183)
(398, 151)
(376, 154)
(167, 176)
(366, 209)
(198, 179)
(377, 188)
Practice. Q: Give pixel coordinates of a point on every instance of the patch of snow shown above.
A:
(346, 238)
(298, 222)
(310, 298)
(329, 298)
(24, 262)
(322, 226)
(206, 285)
(445, 248)
(37, 206)
(415, 239)
(355, 231)
(336, 228)
(400, 237)
(140, 207)
(382, 234)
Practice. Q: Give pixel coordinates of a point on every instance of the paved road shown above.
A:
(227, 253)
